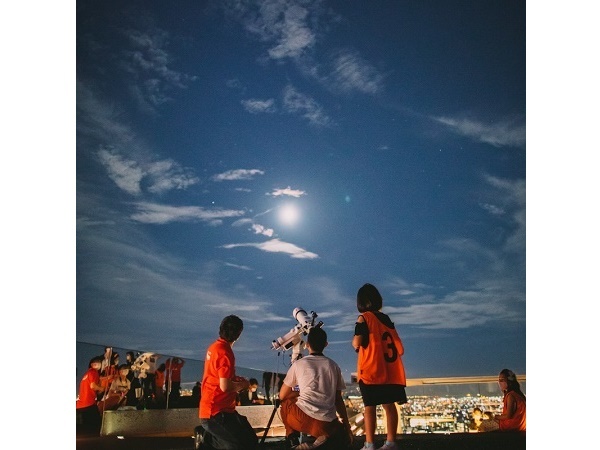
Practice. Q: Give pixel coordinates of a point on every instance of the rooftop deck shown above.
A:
(454, 441)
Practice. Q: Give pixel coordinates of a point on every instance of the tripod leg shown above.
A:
(262, 440)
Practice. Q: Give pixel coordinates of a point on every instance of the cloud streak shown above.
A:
(161, 214)
(501, 134)
(237, 174)
(296, 102)
(277, 246)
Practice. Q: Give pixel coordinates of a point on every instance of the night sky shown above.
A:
(240, 157)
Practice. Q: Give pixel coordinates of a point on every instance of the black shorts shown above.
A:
(382, 394)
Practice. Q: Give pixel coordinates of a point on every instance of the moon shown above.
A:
(289, 214)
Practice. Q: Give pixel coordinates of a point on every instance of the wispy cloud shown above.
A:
(351, 72)
(256, 106)
(501, 134)
(459, 310)
(296, 102)
(492, 274)
(284, 24)
(161, 176)
(237, 174)
(508, 197)
(125, 173)
(238, 266)
(148, 60)
(287, 191)
(401, 287)
(160, 214)
(277, 246)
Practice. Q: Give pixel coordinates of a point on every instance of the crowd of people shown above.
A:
(310, 394)
(138, 383)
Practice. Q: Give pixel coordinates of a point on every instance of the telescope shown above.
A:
(293, 338)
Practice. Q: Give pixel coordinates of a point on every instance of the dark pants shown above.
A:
(229, 431)
(88, 420)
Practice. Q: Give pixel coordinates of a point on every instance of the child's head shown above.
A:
(96, 362)
(368, 298)
(317, 339)
(231, 328)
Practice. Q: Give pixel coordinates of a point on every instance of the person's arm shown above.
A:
(287, 392)
(233, 385)
(511, 409)
(358, 339)
(340, 407)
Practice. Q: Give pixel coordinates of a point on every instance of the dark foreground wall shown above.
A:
(455, 441)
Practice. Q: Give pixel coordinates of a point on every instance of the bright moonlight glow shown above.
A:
(289, 214)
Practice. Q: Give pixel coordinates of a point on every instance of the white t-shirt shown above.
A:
(319, 378)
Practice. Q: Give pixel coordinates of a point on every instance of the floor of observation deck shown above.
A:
(431, 441)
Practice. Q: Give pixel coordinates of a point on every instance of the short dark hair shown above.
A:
(231, 327)
(96, 359)
(253, 381)
(368, 298)
(317, 339)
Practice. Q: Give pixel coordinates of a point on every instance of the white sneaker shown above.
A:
(388, 446)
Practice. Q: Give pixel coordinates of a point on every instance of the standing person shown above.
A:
(380, 371)
(313, 408)
(173, 368)
(513, 417)
(88, 416)
(159, 385)
(106, 358)
(220, 424)
(109, 372)
(135, 388)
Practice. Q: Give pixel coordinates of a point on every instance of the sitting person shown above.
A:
(249, 397)
(312, 408)
(117, 394)
(513, 411)
(476, 419)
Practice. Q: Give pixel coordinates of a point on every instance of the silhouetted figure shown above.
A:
(173, 368)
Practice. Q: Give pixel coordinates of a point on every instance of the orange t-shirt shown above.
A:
(518, 421)
(87, 396)
(159, 379)
(219, 363)
(381, 361)
(173, 368)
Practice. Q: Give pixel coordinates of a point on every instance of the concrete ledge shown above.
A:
(179, 422)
